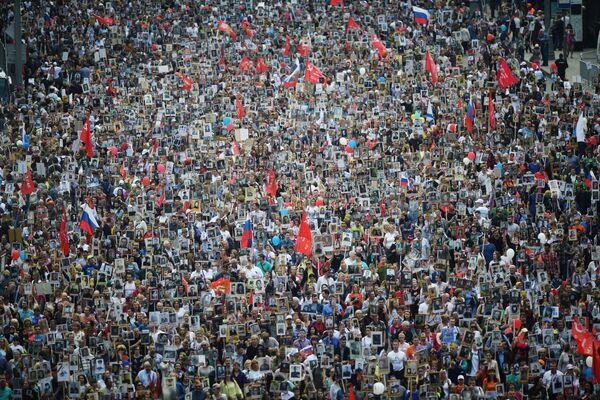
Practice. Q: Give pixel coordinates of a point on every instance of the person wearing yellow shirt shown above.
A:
(230, 388)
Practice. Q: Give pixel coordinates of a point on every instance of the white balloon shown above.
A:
(510, 253)
(378, 388)
(589, 361)
(542, 238)
(362, 71)
(343, 141)
(466, 161)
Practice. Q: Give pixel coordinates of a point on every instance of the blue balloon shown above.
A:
(22, 255)
(352, 144)
(503, 28)
(275, 240)
(226, 120)
(284, 212)
(381, 79)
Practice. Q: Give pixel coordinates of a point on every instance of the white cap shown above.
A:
(461, 377)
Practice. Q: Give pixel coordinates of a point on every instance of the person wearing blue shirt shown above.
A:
(329, 308)
(487, 249)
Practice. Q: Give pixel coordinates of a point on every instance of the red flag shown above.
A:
(304, 240)
(334, 3)
(108, 21)
(246, 27)
(86, 138)
(290, 84)
(261, 67)
(224, 27)
(377, 45)
(161, 200)
(288, 46)
(27, 187)
(64, 238)
(110, 90)
(271, 187)
(245, 65)
(431, 67)
(585, 347)
(187, 82)
(491, 111)
(505, 76)
(235, 148)
(577, 330)
(221, 285)
(240, 107)
(312, 74)
(596, 361)
(351, 395)
(123, 171)
(352, 24)
(304, 51)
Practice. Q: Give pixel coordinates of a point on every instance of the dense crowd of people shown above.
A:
(298, 200)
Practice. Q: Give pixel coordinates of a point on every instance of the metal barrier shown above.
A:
(589, 72)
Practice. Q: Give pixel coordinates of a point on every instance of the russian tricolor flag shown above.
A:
(25, 139)
(470, 117)
(307, 351)
(405, 182)
(421, 15)
(89, 221)
(246, 242)
(589, 178)
(430, 117)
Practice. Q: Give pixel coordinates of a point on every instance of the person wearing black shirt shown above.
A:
(561, 66)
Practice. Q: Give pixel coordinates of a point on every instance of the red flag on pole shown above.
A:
(187, 82)
(224, 27)
(377, 45)
(235, 148)
(491, 111)
(351, 395)
(290, 84)
(245, 64)
(577, 330)
(222, 285)
(431, 67)
(304, 51)
(271, 187)
(288, 46)
(110, 90)
(246, 27)
(86, 138)
(261, 67)
(312, 74)
(505, 76)
(108, 21)
(352, 24)
(304, 240)
(27, 187)
(64, 238)
(334, 3)
(240, 107)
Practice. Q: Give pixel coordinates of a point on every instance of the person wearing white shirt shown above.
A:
(424, 306)
(397, 359)
(324, 280)
(367, 341)
(551, 375)
(253, 272)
